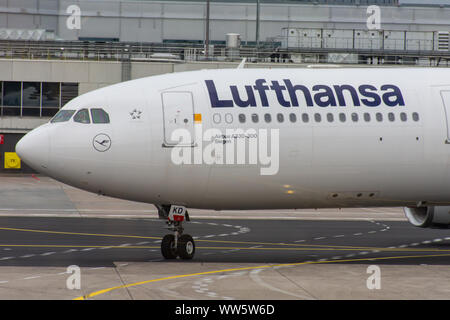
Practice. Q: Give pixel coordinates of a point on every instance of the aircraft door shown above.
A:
(445, 96)
(178, 113)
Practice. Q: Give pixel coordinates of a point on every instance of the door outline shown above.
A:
(170, 144)
(446, 105)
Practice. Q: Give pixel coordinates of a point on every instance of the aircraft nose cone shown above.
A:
(34, 148)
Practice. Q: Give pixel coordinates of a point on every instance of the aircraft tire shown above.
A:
(186, 247)
(168, 249)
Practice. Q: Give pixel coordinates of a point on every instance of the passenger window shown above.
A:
(342, 117)
(228, 118)
(391, 116)
(241, 118)
(317, 117)
(379, 117)
(305, 117)
(268, 118)
(99, 116)
(292, 117)
(354, 117)
(280, 117)
(403, 116)
(82, 116)
(217, 118)
(330, 117)
(255, 118)
(63, 116)
(367, 117)
(415, 116)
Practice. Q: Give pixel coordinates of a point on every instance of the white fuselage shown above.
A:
(346, 161)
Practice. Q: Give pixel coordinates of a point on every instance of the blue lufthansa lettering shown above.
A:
(289, 94)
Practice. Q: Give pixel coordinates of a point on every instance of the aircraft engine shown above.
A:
(436, 217)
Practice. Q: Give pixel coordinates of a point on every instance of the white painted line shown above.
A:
(70, 250)
(32, 277)
(47, 253)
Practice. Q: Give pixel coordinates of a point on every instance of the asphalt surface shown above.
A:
(47, 229)
(95, 242)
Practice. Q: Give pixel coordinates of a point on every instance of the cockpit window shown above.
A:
(82, 116)
(99, 116)
(63, 116)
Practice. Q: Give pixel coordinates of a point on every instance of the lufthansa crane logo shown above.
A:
(101, 142)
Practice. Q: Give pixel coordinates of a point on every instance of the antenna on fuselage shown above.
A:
(242, 64)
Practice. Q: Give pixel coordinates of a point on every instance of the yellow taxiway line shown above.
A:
(100, 292)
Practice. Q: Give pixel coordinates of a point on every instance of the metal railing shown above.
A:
(270, 51)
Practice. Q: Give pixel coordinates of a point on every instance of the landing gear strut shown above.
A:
(176, 244)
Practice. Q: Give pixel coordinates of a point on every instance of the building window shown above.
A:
(31, 99)
(50, 98)
(12, 98)
(69, 90)
(35, 99)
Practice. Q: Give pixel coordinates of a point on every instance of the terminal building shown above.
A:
(53, 50)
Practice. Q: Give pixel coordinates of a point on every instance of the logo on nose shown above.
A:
(101, 142)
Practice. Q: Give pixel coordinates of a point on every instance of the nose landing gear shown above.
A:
(177, 244)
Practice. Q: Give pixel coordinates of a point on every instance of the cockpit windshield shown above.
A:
(62, 116)
(82, 116)
(99, 115)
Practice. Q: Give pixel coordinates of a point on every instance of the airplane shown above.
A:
(257, 139)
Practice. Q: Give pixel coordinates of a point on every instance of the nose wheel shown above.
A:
(177, 244)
